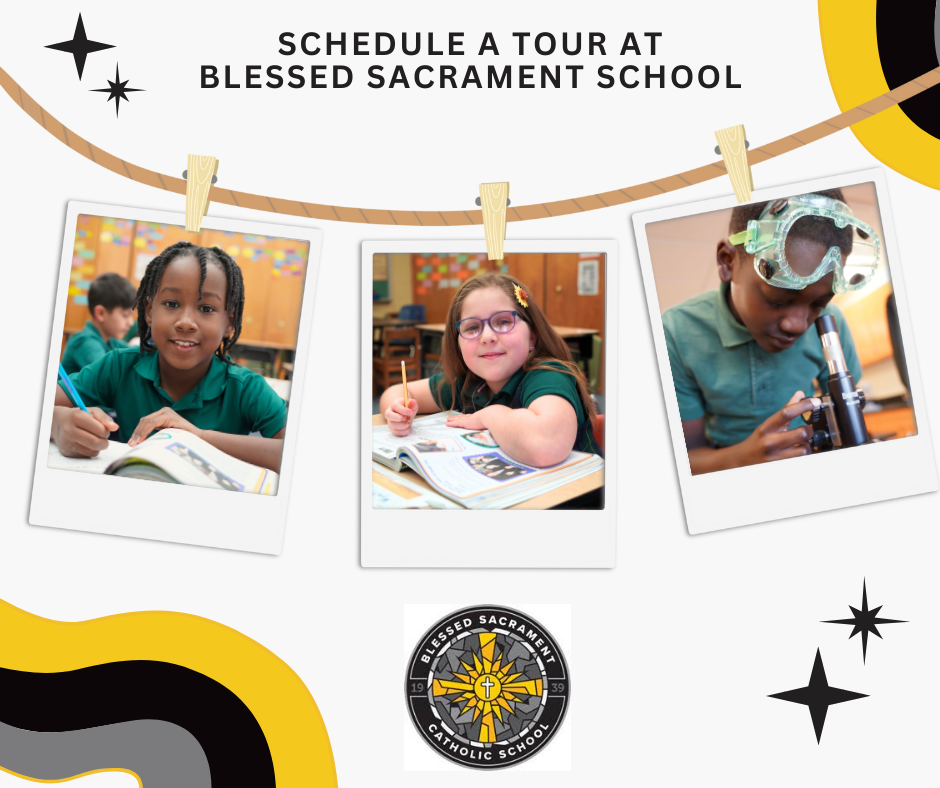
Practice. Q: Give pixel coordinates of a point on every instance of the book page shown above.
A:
(391, 490)
(97, 464)
(468, 464)
(192, 461)
(430, 434)
(479, 472)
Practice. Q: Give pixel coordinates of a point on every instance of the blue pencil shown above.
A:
(63, 376)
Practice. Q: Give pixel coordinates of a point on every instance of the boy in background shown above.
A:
(740, 353)
(111, 303)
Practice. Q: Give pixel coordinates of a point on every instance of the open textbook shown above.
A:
(469, 467)
(174, 456)
(391, 490)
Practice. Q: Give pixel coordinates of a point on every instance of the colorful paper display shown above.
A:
(116, 231)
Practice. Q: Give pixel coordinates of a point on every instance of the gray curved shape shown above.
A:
(936, 31)
(161, 754)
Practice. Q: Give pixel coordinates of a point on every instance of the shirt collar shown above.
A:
(209, 388)
(730, 331)
(94, 328)
(507, 391)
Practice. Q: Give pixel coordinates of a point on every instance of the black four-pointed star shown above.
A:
(117, 90)
(818, 695)
(80, 47)
(865, 621)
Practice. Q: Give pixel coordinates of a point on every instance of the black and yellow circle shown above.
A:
(872, 47)
(487, 687)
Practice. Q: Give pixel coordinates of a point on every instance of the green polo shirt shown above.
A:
(534, 384)
(229, 398)
(721, 373)
(86, 347)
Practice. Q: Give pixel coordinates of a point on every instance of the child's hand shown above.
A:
(398, 416)
(80, 434)
(467, 421)
(163, 419)
(774, 440)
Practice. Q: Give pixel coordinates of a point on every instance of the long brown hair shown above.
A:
(551, 351)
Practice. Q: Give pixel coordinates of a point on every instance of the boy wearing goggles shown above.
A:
(739, 353)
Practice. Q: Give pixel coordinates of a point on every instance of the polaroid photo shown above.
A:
(786, 352)
(444, 482)
(175, 357)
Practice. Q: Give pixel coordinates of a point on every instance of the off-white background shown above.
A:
(690, 633)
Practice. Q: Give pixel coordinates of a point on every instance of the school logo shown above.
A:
(487, 687)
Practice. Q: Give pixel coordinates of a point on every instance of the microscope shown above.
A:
(838, 422)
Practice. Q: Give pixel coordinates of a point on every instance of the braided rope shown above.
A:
(514, 213)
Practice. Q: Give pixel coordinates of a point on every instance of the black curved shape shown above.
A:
(228, 732)
(907, 48)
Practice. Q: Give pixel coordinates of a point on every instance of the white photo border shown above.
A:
(739, 496)
(503, 539)
(252, 523)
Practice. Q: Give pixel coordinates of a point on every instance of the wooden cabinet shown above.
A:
(868, 320)
(250, 255)
(564, 306)
(285, 294)
(530, 270)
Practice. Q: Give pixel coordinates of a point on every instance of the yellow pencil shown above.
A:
(404, 385)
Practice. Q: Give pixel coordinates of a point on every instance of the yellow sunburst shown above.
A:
(488, 686)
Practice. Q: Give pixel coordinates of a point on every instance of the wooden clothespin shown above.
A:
(493, 199)
(200, 175)
(733, 149)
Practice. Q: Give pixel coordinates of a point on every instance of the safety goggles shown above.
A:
(472, 327)
(766, 237)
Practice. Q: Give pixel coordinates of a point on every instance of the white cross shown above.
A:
(486, 684)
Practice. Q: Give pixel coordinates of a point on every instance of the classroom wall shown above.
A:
(273, 269)
(401, 291)
(432, 279)
(682, 253)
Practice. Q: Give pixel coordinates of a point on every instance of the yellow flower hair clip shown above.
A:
(521, 295)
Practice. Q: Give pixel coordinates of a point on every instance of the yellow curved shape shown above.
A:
(275, 695)
(73, 777)
(850, 46)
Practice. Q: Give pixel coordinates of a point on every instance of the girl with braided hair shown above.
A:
(189, 308)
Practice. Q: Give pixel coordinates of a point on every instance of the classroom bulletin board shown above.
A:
(273, 270)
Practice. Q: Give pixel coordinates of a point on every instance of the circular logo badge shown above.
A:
(487, 687)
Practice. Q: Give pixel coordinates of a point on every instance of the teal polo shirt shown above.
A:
(86, 347)
(534, 384)
(229, 398)
(721, 373)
